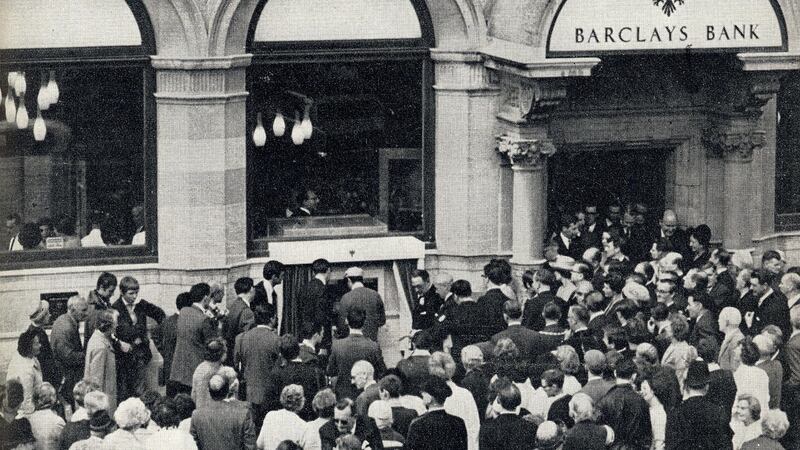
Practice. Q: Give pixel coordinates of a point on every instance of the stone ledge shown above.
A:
(202, 63)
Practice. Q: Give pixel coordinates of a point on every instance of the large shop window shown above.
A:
(76, 175)
(339, 121)
(787, 159)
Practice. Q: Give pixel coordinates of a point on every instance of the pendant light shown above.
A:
(20, 85)
(259, 134)
(12, 78)
(298, 136)
(52, 88)
(43, 97)
(39, 128)
(22, 114)
(278, 125)
(306, 125)
(11, 108)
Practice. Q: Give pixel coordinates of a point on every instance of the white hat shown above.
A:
(354, 272)
(636, 292)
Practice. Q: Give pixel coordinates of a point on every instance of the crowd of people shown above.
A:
(627, 337)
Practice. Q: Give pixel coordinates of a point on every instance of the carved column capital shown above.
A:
(525, 153)
(526, 101)
(732, 144)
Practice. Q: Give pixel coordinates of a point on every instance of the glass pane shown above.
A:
(67, 23)
(360, 173)
(83, 184)
(787, 161)
(333, 20)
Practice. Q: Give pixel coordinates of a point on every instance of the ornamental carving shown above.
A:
(530, 153)
(737, 145)
(525, 101)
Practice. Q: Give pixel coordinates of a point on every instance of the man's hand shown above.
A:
(124, 346)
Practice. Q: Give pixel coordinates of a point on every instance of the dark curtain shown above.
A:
(407, 267)
(294, 279)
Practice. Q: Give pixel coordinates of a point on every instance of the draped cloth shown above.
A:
(294, 279)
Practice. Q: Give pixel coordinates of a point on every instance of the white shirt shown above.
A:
(171, 438)
(462, 404)
(29, 373)
(790, 302)
(764, 297)
(743, 433)
(269, 288)
(93, 239)
(14, 245)
(282, 425)
(139, 238)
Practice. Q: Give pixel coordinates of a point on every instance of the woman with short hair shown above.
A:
(130, 415)
(25, 368)
(286, 423)
(46, 425)
(774, 425)
(746, 420)
(679, 353)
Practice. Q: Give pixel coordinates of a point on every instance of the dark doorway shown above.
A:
(605, 176)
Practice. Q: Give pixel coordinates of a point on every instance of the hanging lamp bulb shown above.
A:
(20, 85)
(11, 108)
(12, 78)
(39, 128)
(52, 88)
(43, 98)
(278, 125)
(298, 136)
(306, 125)
(22, 115)
(259, 134)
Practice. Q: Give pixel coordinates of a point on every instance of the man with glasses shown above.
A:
(346, 422)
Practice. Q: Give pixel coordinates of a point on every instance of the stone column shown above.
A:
(529, 164)
(735, 144)
(201, 161)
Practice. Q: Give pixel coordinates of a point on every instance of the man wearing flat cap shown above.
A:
(364, 298)
(40, 317)
(697, 423)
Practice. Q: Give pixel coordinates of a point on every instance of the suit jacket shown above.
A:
(775, 373)
(597, 388)
(680, 243)
(575, 249)
(239, 319)
(585, 435)
(507, 431)
(704, 327)
(101, 366)
(722, 295)
(426, 432)
(553, 336)
(68, 350)
(532, 315)
(166, 343)
(366, 430)
(772, 311)
(371, 302)
(583, 341)
(315, 305)
(415, 369)
(47, 361)
(492, 303)
(309, 376)
(762, 443)
(344, 353)
(598, 322)
(194, 329)
(223, 426)
(468, 324)
(96, 304)
(792, 357)
(722, 391)
(74, 432)
(592, 238)
(424, 309)
(402, 418)
(129, 332)
(726, 358)
(256, 353)
(626, 412)
(698, 424)
(530, 343)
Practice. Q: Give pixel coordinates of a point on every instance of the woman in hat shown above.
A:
(25, 368)
(699, 239)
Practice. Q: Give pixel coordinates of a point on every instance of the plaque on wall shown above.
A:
(58, 304)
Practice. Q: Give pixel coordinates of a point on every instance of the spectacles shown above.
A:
(659, 291)
(341, 421)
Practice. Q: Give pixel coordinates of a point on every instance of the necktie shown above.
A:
(274, 298)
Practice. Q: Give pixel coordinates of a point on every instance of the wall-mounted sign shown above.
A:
(602, 27)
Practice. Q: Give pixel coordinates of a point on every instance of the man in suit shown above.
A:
(596, 305)
(415, 366)
(193, 331)
(67, 346)
(568, 238)
(99, 299)
(703, 323)
(355, 347)
(581, 338)
(530, 343)
(467, 323)
(553, 334)
(132, 328)
(544, 283)
(676, 236)
(592, 231)
(390, 389)
(256, 354)
(295, 371)
(314, 303)
(240, 317)
(597, 385)
(492, 301)
(222, 425)
(721, 259)
(308, 206)
(167, 339)
(311, 334)
(721, 385)
(345, 421)
(428, 431)
(729, 322)
(426, 303)
(697, 423)
(365, 299)
(268, 290)
(770, 309)
(625, 411)
(508, 430)
(790, 288)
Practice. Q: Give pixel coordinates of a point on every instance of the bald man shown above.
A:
(790, 287)
(671, 231)
(67, 345)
